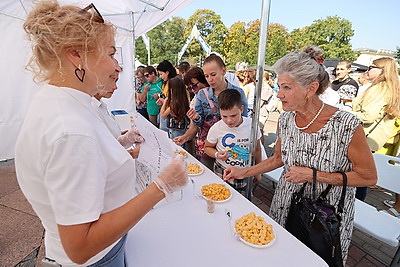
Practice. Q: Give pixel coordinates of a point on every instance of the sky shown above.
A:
(376, 23)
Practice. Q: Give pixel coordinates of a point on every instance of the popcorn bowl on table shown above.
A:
(194, 169)
(254, 231)
(180, 152)
(217, 192)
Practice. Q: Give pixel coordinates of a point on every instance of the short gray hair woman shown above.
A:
(314, 135)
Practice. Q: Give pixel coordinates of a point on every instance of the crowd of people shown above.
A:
(81, 181)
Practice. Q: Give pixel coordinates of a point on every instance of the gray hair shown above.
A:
(304, 68)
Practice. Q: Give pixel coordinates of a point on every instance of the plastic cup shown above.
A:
(210, 205)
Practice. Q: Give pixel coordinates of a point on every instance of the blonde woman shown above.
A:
(77, 177)
(378, 108)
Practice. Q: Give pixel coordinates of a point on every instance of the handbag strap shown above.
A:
(301, 191)
(341, 202)
(376, 125)
(342, 196)
(314, 184)
(210, 102)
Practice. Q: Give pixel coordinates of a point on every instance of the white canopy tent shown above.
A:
(131, 17)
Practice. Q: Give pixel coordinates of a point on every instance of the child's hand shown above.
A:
(222, 155)
(179, 140)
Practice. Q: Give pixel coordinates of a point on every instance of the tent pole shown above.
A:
(133, 42)
(262, 45)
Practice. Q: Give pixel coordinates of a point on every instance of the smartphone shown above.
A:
(162, 95)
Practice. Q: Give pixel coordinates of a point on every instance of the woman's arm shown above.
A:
(264, 166)
(189, 135)
(370, 112)
(165, 111)
(197, 114)
(83, 241)
(363, 172)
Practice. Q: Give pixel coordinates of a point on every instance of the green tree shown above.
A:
(166, 40)
(278, 43)
(252, 37)
(210, 27)
(234, 45)
(333, 35)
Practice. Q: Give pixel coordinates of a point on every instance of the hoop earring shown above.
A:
(80, 73)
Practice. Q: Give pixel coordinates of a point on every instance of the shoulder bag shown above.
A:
(316, 223)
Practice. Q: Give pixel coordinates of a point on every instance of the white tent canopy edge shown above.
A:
(131, 17)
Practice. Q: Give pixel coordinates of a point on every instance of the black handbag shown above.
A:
(316, 223)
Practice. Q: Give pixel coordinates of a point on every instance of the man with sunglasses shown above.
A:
(346, 87)
(151, 87)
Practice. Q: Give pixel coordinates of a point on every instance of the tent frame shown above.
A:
(262, 45)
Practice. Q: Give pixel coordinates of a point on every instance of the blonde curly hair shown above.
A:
(55, 29)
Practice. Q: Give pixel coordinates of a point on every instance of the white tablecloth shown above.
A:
(183, 234)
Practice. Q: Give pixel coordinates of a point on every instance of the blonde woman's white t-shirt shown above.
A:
(69, 166)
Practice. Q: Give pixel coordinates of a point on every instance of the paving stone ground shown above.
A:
(21, 233)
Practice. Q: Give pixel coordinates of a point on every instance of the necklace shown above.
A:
(312, 121)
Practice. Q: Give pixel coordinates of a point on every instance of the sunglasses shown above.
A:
(146, 75)
(86, 9)
(193, 86)
(373, 67)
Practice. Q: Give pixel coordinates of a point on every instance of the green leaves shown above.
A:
(332, 35)
(239, 43)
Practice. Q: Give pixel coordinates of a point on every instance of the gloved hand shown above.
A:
(132, 136)
(173, 177)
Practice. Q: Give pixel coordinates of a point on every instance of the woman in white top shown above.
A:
(77, 177)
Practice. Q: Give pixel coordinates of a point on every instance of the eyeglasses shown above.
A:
(86, 9)
(146, 75)
(372, 67)
(193, 86)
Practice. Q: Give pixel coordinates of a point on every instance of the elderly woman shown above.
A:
(78, 178)
(313, 135)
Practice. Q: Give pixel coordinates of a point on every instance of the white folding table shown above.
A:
(183, 234)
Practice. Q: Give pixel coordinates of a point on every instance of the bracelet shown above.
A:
(216, 154)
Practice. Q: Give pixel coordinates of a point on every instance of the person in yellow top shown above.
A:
(379, 107)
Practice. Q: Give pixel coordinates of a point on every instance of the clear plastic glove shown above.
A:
(173, 178)
(132, 136)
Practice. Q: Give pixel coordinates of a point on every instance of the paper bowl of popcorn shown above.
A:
(180, 152)
(254, 231)
(218, 192)
(194, 169)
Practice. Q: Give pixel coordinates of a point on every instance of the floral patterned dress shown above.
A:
(325, 150)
